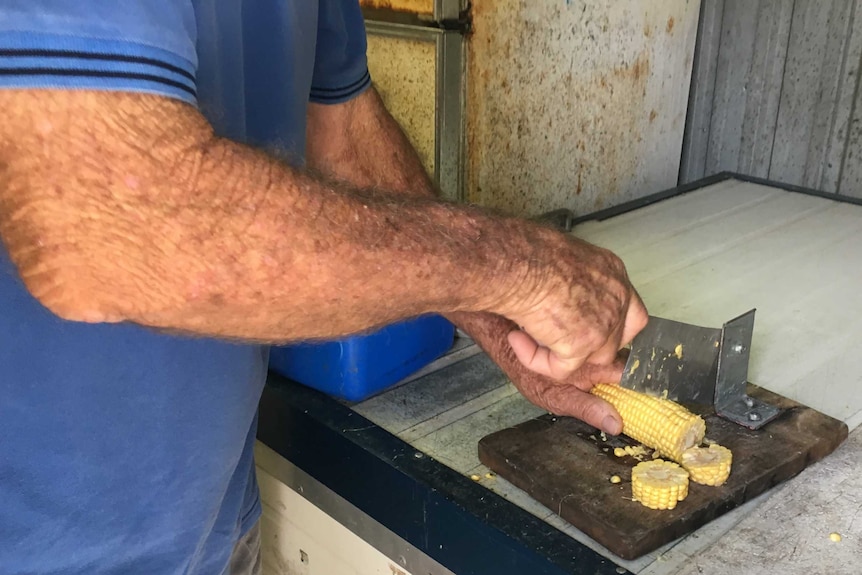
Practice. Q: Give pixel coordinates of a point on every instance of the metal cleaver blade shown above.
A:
(674, 360)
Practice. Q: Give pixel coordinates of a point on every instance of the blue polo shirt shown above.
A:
(123, 450)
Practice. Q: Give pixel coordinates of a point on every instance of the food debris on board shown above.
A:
(636, 451)
(676, 434)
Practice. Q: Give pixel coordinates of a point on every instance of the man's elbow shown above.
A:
(57, 276)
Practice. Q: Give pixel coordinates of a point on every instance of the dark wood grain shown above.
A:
(564, 464)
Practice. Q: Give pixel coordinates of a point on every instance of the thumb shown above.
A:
(540, 359)
(590, 409)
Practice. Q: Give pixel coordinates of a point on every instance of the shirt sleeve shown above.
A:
(134, 45)
(340, 65)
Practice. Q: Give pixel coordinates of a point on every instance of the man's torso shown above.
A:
(124, 450)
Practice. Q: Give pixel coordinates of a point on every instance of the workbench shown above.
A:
(401, 469)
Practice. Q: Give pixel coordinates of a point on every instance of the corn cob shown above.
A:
(658, 423)
(707, 465)
(659, 484)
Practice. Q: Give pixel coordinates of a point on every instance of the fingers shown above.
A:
(540, 359)
(566, 400)
(591, 374)
(570, 397)
(636, 318)
(608, 352)
(581, 334)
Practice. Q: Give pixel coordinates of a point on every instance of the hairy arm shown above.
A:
(360, 142)
(126, 207)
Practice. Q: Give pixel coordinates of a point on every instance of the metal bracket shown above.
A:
(731, 400)
(697, 365)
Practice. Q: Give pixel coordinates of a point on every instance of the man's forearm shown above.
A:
(362, 143)
(197, 233)
(126, 207)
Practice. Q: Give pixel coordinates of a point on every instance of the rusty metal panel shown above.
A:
(404, 73)
(423, 7)
(577, 104)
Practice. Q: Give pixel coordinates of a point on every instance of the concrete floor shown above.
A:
(789, 532)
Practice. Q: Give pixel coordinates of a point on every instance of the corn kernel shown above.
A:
(659, 484)
(658, 423)
(708, 465)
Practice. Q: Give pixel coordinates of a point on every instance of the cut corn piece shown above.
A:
(658, 423)
(659, 484)
(708, 465)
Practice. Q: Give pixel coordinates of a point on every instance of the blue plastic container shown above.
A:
(358, 367)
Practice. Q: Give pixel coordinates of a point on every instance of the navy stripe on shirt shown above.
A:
(342, 93)
(31, 53)
(96, 74)
(26, 66)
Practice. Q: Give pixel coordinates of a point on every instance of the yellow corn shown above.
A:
(658, 423)
(707, 465)
(659, 484)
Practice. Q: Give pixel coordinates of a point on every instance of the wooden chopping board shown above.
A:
(564, 464)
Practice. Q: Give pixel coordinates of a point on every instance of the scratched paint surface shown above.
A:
(577, 104)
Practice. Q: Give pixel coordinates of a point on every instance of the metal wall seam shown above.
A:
(700, 100)
(449, 145)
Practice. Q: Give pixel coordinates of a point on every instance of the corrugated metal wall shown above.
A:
(776, 93)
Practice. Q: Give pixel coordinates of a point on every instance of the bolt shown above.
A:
(754, 416)
(418, 455)
(738, 348)
(748, 401)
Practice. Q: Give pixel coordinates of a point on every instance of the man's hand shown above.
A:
(574, 300)
(572, 397)
(558, 337)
